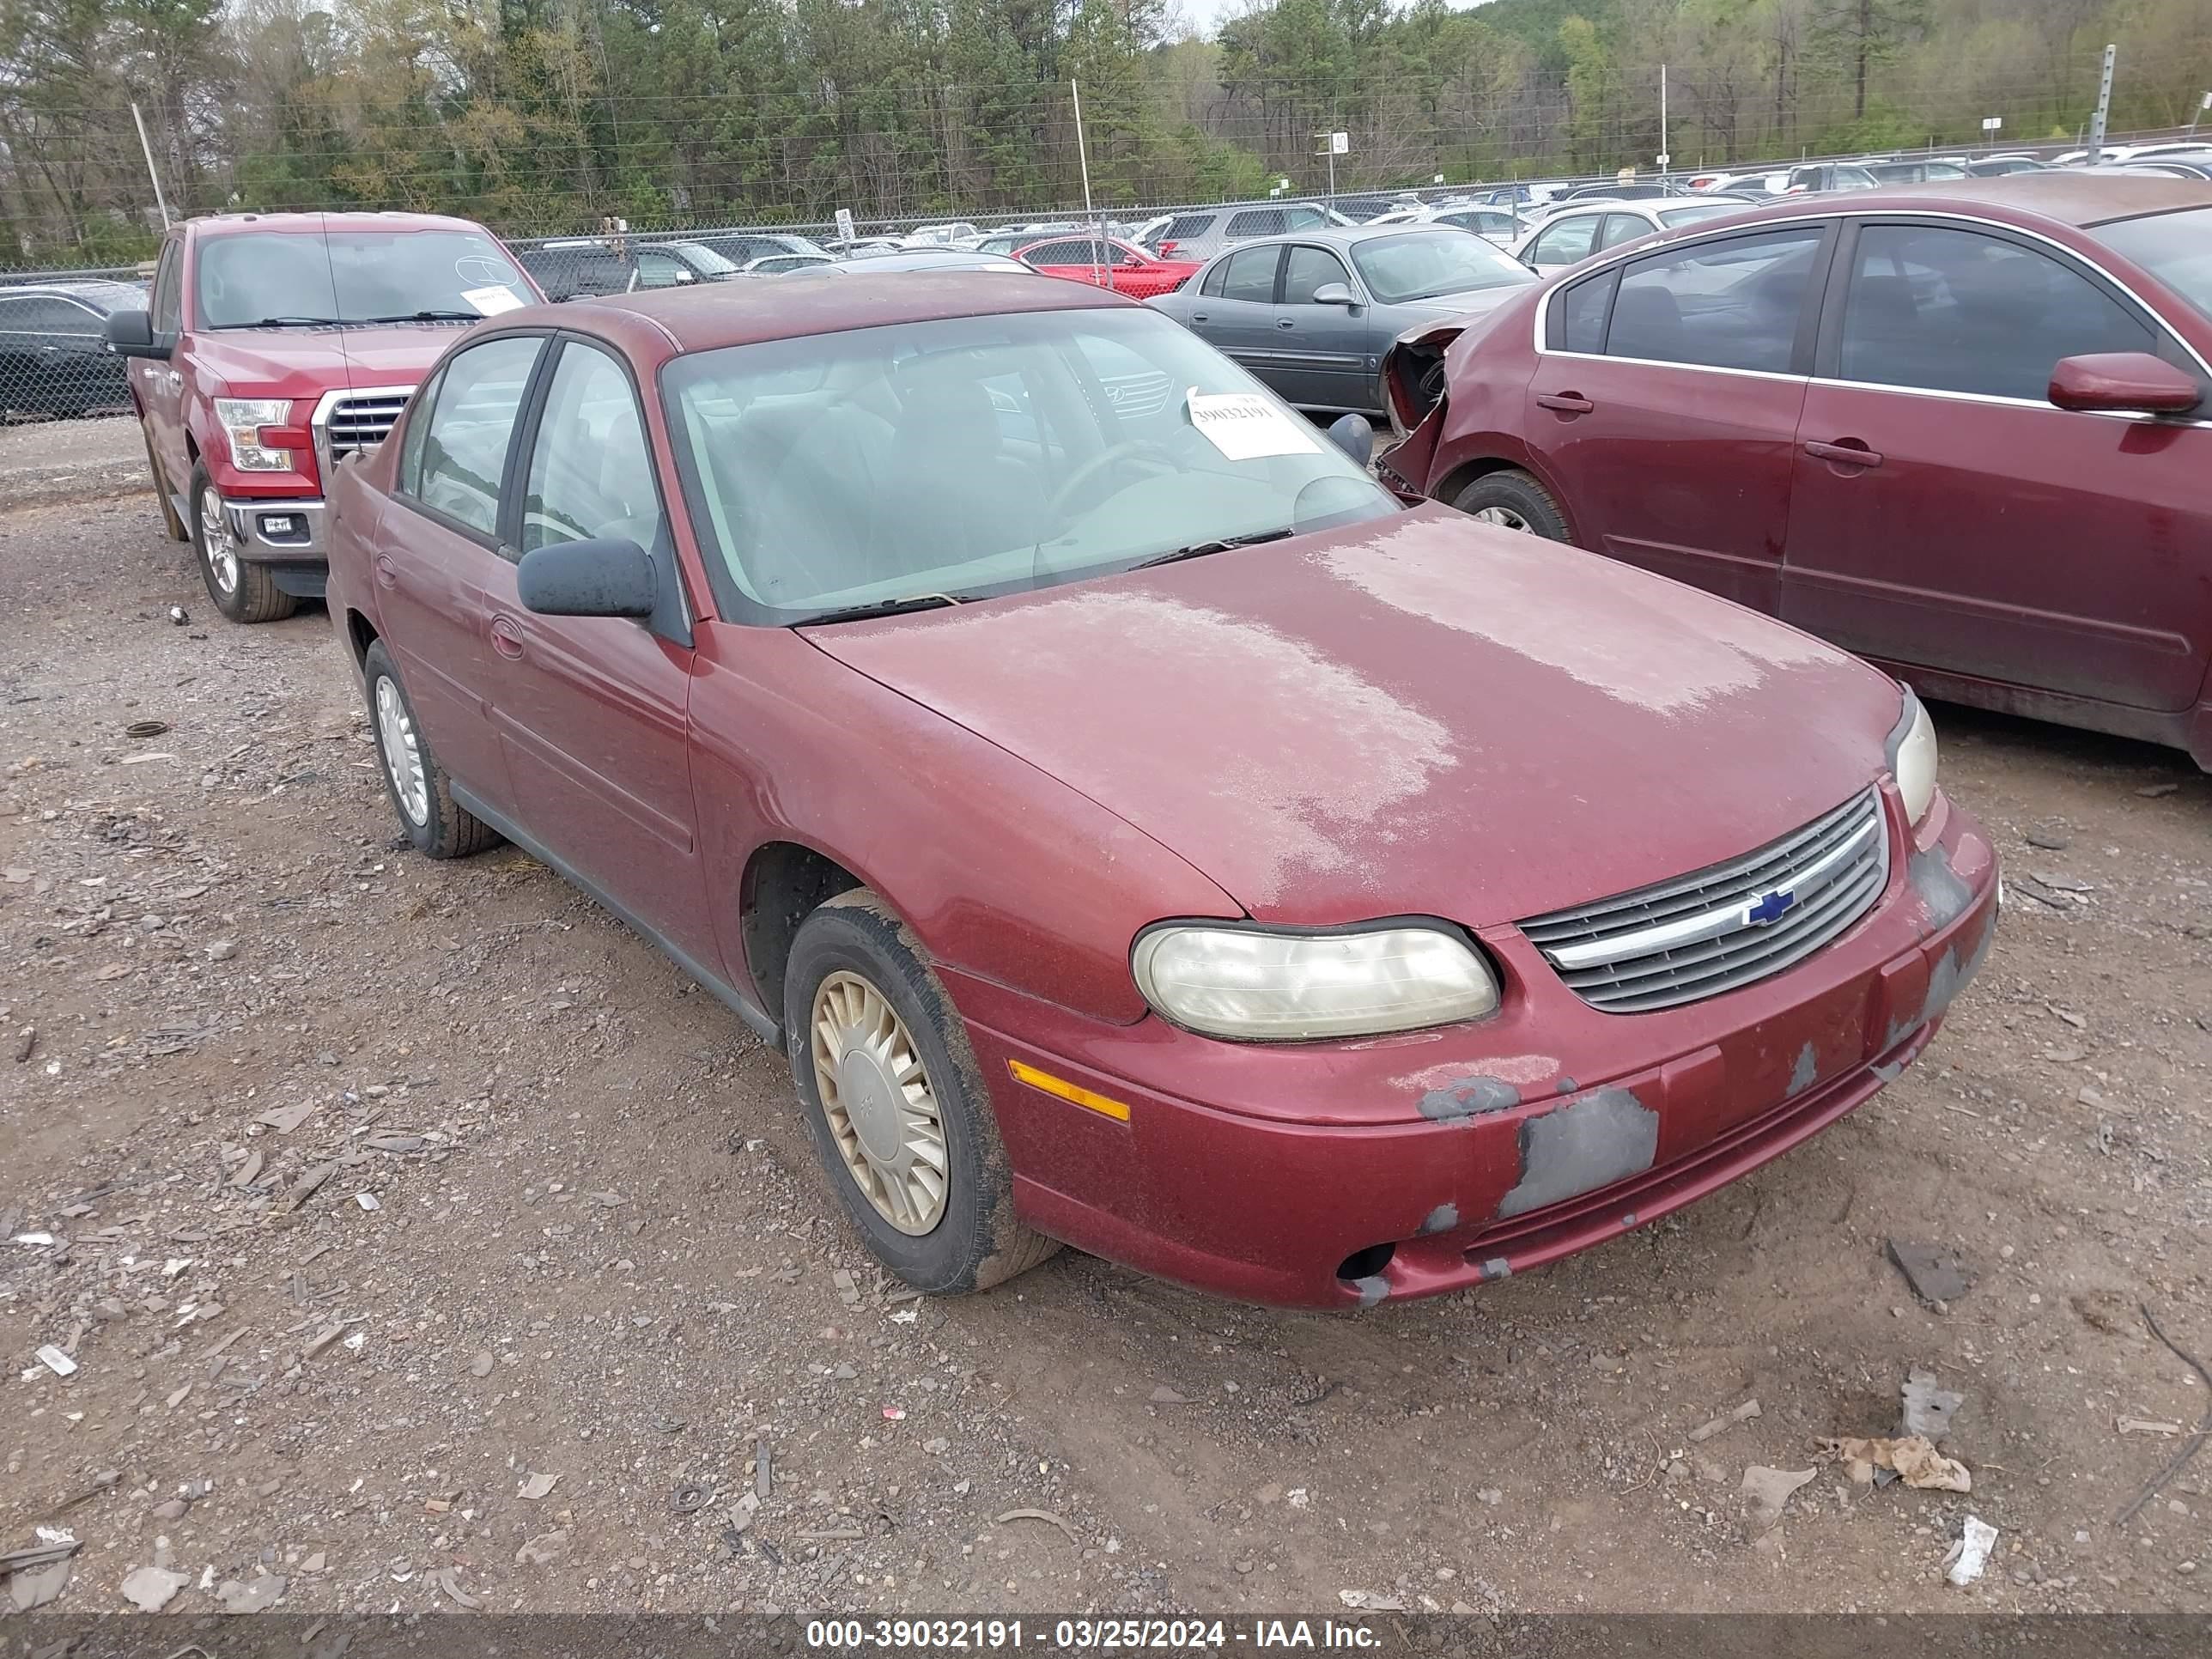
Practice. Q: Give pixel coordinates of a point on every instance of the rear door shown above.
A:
(1946, 515)
(1665, 404)
(1321, 350)
(1240, 318)
(437, 546)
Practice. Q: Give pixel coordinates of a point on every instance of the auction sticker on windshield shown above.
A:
(1246, 427)
(492, 300)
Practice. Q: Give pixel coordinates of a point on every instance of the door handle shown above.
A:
(387, 573)
(175, 380)
(1286, 322)
(1567, 403)
(1197, 316)
(507, 638)
(1850, 452)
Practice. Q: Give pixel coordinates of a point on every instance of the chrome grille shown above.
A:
(357, 422)
(1696, 936)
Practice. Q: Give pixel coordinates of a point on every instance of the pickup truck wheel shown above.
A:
(421, 792)
(242, 591)
(1513, 500)
(170, 521)
(895, 1104)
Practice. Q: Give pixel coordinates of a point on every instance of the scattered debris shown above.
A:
(1910, 1457)
(894, 1413)
(56, 1361)
(761, 1476)
(2049, 841)
(2189, 1448)
(1769, 1490)
(34, 1587)
(1045, 1516)
(262, 1592)
(2143, 1425)
(1934, 1272)
(367, 1200)
(481, 1365)
(544, 1550)
(145, 728)
(1369, 1601)
(849, 1291)
(151, 1589)
(537, 1487)
(834, 1534)
(448, 1582)
(1742, 1414)
(691, 1497)
(1163, 1395)
(1928, 1409)
(25, 1040)
(285, 1119)
(322, 1339)
(178, 615)
(1971, 1553)
(2157, 791)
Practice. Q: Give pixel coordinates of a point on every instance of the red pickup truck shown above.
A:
(279, 344)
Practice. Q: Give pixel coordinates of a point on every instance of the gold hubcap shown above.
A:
(882, 1112)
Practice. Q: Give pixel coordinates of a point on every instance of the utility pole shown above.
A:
(1083, 155)
(2104, 105)
(1664, 158)
(160, 200)
(2202, 104)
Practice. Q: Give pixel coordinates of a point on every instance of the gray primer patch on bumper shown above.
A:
(1442, 1219)
(1599, 1140)
(1939, 886)
(1371, 1290)
(1890, 1071)
(1805, 1071)
(1471, 1096)
(1496, 1267)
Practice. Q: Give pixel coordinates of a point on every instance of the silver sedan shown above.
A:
(1311, 313)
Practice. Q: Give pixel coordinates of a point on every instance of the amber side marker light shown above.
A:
(1068, 1091)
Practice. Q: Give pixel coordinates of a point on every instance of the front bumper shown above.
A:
(277, 529)
(1334, 1175)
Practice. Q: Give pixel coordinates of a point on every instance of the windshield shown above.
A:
(705, 260)
(984, 455)
(2174, 247)
(353, 276)
(1422, 264)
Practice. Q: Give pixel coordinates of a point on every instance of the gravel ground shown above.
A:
(421, 1239)
(62, 462)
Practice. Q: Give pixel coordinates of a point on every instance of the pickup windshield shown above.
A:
(353, 276)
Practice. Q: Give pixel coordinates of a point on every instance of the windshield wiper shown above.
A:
(429, 316)
(288, 322)
(887, 608)
(1222, 544)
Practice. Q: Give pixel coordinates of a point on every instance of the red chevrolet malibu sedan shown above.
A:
(1964, 429)
(1123, 266)
(1138, 828)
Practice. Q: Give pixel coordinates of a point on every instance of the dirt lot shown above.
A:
(533, 1255)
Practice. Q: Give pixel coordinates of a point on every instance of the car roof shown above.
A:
(223, 224)
(94, 293)
(802, 303)
(1339, 235)
(2076, 198)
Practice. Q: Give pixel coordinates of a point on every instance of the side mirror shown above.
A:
(1352, 434)
(1334, 293)
(130, 334)
(2123, 383)
(610, 578)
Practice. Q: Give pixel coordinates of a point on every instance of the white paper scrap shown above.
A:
(1247, 426)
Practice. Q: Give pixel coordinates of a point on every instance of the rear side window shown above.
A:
(1623, 227)
(470, 426)
(1252, 275)
(1184, 228)
(1216, 275)
(1730, 304)
(1956, 311)
(1260, 222)
(1567, 243)
(1578, 315)
(1060, 253)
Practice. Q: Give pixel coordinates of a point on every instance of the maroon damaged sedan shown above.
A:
(1963, 429)
(1139, 830)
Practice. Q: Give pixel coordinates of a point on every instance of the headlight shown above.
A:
(1912, 757)
(242, 419)
(1251, 983)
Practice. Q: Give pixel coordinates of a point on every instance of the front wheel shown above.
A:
(895, 1104)
(1513, 499)
(242, 591)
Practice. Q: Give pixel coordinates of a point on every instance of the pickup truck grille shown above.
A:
(356, 422)
(1719, 928)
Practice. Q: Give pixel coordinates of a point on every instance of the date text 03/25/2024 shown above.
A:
(842, 1635)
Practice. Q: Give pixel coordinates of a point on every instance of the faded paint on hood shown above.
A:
(1419, 714)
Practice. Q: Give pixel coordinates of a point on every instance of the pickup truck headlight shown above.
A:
(1912, 757)
(241, 420)
(1257, 984)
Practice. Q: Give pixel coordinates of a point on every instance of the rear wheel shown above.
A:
(242, 591)
(1512, 500)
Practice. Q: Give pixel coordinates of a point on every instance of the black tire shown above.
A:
(976, 1242)
(253, 597)
(1514, 495)
(170, 521)
(445, 830)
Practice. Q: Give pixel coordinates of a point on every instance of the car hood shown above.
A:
(1416, 716)
(305, 362)
(1476, 302)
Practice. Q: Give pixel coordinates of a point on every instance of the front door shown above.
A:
(160, 386)
(436, 545)
(1947, 515)
(591, 712)
(1321, 350)
(1664, 405)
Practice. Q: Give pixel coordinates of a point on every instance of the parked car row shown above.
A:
(54, 358)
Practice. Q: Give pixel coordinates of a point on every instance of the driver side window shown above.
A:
(590, 471)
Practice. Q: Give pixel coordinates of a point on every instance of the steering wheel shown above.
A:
(1129, 449)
